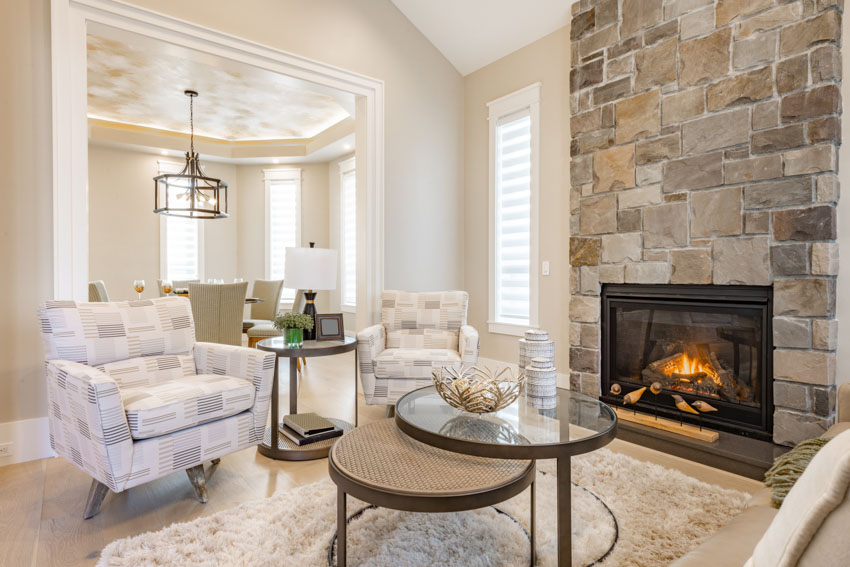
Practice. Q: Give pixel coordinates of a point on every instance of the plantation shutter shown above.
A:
(283, 229)
(513, 219)
(182, 247)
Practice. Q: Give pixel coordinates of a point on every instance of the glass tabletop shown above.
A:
(575, 424)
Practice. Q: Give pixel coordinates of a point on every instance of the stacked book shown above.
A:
(306, 428)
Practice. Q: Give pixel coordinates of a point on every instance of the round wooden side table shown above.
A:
(284, 449)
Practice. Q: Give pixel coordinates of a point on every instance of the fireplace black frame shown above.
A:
(755, 422)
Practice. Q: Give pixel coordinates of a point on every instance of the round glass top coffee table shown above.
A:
(577, 424)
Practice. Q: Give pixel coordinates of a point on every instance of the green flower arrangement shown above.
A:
(294, 321)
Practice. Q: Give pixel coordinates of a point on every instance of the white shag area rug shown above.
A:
(651, 516)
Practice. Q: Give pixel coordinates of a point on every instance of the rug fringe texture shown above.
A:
(660, 515)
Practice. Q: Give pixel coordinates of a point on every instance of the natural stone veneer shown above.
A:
(705, 140)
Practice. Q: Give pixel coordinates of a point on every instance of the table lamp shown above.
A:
(310, 269)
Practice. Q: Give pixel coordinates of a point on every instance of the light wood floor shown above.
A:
(42, 501)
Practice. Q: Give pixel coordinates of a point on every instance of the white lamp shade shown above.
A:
(310, 268)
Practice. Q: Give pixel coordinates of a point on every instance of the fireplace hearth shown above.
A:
(709, 344)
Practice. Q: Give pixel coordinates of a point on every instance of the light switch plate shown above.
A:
(545, 269)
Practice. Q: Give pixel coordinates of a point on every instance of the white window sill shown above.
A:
(509, 328)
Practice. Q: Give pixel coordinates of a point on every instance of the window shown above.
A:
(514, 179)
(348, 235)
(181, 241)
(283, 222)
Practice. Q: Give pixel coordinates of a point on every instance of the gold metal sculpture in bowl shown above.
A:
(478, 390)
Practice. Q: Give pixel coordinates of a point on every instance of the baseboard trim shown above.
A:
(30, 440)
(563, 379)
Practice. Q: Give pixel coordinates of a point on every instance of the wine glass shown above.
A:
(219, 280)
(167, 287)
(139, 286)
(210, 281)
(238, 280)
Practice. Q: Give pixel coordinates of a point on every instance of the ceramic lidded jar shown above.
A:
(541, 383)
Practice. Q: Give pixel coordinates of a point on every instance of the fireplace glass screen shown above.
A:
(706, 353)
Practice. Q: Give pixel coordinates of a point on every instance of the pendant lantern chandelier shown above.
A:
(190, 193)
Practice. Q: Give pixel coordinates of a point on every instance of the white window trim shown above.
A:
(527, 98)
(280, 174)
(346, 166)
(174, 167)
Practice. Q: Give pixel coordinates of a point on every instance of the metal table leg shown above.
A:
(275, 403)
(533, 537)
(341, 524)
(293, 386)
(356, 371)
(565, 547)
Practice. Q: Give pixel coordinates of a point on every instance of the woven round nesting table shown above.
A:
(379, 464)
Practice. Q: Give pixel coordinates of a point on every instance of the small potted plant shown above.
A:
(293, 325)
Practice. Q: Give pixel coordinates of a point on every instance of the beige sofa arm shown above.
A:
(844, 402)
(256, 366)
(88, 424)
(468, 345)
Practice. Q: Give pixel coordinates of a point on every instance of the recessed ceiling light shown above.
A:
(275, 161)
(346, 147)
(164, 152)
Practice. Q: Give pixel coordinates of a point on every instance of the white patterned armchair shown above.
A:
(132, 397)
(419, 332)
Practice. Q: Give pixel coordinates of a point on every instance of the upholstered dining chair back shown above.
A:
(97, 291)
(269, 291)
(100, 333)
(217, 311)
(298, 302)
(177, 284)
(428, 320)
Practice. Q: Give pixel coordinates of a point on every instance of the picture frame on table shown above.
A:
(329, 327)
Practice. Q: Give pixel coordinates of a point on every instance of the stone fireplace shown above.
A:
(705, 140)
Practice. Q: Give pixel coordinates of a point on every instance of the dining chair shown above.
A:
(97, 291)
(217, 311)
(176, 284)
(264, 311)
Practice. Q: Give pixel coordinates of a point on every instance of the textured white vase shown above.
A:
(541, 381)
(535, 344)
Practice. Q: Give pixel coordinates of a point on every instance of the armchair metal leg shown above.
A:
(390, 410)
(199, 482)
(97, 493)
(215, 461)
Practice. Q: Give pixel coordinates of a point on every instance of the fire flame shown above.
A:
(688, 366)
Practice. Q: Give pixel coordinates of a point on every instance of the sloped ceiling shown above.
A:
(474, 33)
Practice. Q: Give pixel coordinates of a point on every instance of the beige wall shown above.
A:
(26, 221)
(424, 114)
(314, 217)
(547, 61)
(124, 232)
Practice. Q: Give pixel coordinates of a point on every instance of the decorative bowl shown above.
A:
(478, 390)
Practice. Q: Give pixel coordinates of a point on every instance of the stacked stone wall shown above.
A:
(704, 149)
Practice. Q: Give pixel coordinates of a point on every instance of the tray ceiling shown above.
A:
(140, 81)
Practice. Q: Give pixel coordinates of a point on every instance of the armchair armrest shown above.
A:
(371, 342)
(251, 364)
(468, 345)
(88, 425)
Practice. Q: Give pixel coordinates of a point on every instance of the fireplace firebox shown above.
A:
(710, 344)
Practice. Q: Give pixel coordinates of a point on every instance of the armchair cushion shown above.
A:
(166, 407)
(413, 363)
(443, 313)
